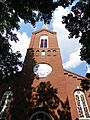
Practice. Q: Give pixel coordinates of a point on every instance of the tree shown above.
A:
(45, 95)
(10, 13)
(9, 61)
(65, 113)
(85, 84)
(77, 22)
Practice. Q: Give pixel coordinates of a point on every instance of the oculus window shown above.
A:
(42, 70)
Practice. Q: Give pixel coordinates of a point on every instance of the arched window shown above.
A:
(37, 53)
(81, 104)
(54, 52)
(40, 115)
(49, 52)
(43, 52)
(43, 41)
(5, 103)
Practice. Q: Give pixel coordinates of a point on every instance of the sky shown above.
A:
(70, 48)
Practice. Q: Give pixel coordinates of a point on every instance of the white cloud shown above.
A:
(22, 44)
(55, 0)
(73, 61)
(68, 47)
(57, 17)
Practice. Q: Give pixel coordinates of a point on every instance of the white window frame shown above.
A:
(79, 93)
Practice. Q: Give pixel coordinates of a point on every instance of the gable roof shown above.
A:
(44, 29)
(74, 75)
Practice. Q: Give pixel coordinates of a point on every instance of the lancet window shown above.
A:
(81, 103)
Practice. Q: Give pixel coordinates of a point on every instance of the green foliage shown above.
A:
(88, 75)
(45, 95)
(85, 84)
(9, 61)
(65, 113)
(78, 24)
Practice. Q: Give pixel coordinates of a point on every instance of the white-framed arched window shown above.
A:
(5, 103)
(82, 106)
(43, 41)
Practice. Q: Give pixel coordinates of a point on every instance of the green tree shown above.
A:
(77, 22)
(45, 95)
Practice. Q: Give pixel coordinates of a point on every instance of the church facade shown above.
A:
(44, 90)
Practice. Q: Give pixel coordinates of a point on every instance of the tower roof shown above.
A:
(51, 38)
(44, 29)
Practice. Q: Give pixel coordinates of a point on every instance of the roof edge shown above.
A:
(74, 74)
(44, 29)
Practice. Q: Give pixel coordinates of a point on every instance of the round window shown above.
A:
(42, 70)
(40, 115)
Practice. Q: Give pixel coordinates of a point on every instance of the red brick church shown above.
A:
(44, 90)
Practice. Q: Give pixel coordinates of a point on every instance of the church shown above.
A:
(44, 90)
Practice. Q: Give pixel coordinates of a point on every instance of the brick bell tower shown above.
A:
(73, 103)
(47, 69)
(48, 60)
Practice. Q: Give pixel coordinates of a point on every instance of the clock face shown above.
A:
(42, 70)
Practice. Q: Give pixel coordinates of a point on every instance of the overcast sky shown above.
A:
(70, 48)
